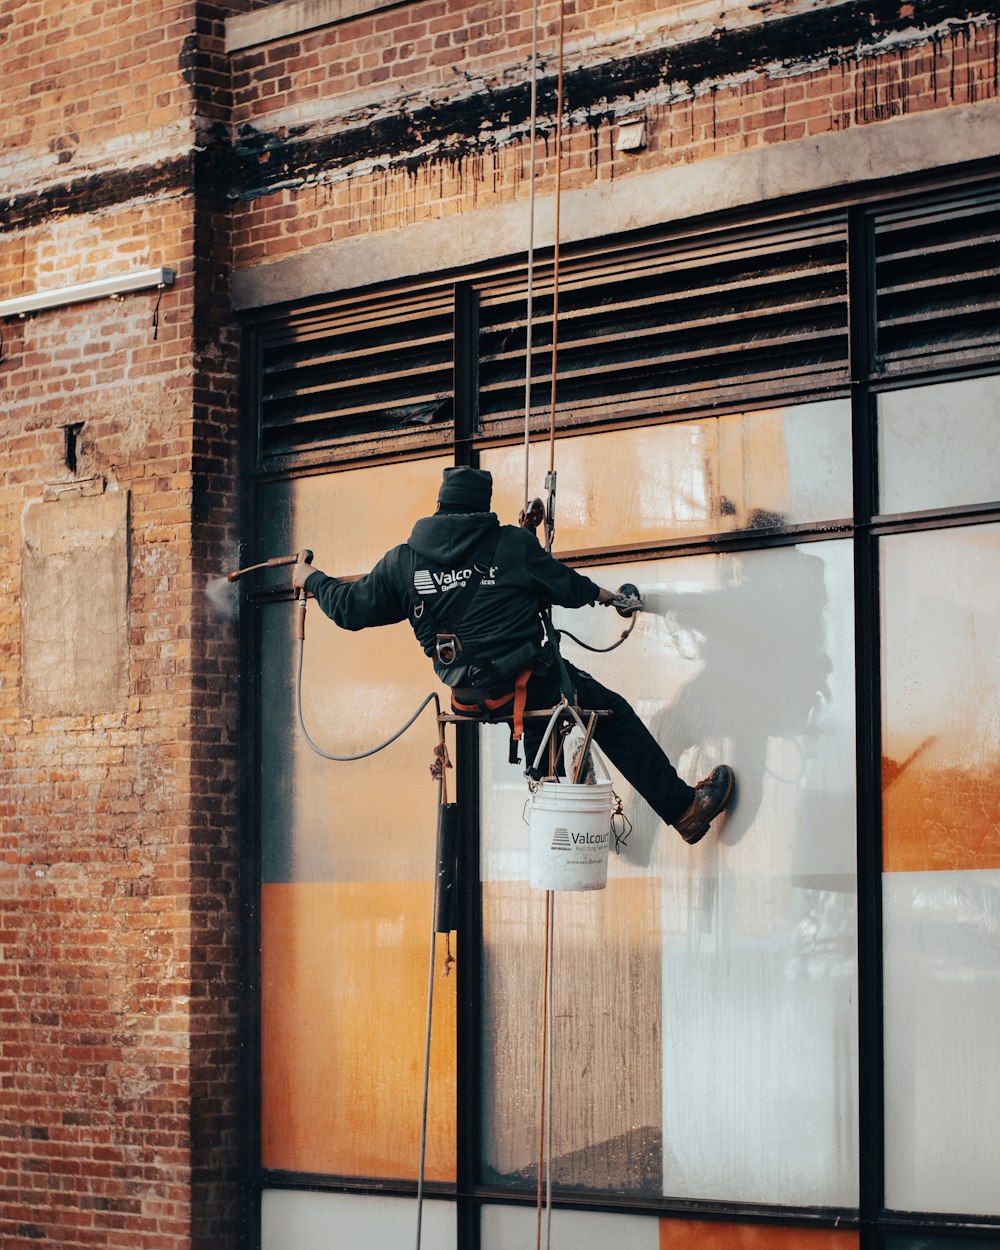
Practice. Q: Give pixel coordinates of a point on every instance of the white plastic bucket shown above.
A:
(569, 836)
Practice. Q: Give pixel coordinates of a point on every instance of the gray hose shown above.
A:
(361, 755)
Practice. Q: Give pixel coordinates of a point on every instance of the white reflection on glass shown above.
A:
(299, 1220)
(513, 1228)
(745, 942)
(941, 891)
(938, 445)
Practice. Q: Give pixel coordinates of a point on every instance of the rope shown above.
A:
(544, 1114)
(529, 311)
(425, 1097)
(557, 230)
(555, 249)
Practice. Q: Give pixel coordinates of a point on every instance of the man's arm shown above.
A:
(558, 583)
(374, 599)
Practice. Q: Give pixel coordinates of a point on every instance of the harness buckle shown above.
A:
(447, 648)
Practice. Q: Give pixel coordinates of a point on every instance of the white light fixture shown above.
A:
(631, 135)
(100, 288)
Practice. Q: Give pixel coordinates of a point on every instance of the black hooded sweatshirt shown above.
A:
(500, 629)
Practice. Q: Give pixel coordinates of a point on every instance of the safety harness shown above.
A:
(488, 708)
(489, 702)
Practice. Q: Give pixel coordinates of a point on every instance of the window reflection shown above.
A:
(348, 860)
(744, 946)
(938, 445)
(740, 471)
(349, 519)
(941, 852)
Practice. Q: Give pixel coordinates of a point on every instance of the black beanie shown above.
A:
(471, 487)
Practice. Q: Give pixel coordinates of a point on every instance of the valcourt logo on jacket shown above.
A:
(427, 583)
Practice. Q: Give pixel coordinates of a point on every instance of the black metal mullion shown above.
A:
(468, 990)
(871, 1084)
(465, 349)
(468, 1015)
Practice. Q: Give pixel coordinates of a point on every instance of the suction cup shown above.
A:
(628, 601)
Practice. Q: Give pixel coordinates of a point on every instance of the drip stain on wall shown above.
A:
(874, 45)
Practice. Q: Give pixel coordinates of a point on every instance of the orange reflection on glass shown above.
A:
(703, 1235)
(344, 977)
(941, 713)
(349, 519)
(739, 471)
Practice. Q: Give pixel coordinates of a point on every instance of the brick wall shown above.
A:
(118, 877)
(421, 111)
(130, 140)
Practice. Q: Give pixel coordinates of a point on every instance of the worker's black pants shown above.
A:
(623, 737)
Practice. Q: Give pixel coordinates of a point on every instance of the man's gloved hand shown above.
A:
(606, 597)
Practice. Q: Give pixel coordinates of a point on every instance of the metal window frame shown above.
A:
(870, 1219)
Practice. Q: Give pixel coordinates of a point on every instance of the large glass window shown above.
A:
(347, 862)
(743, 471)
(721, 1073)
(302, 1220)
(941, 813)
(939, 445)
(706, 1000)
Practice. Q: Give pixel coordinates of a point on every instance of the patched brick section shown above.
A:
(95, 974)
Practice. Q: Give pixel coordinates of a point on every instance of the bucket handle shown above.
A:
(556, 713)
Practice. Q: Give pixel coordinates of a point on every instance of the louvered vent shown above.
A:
(667, 326)
(937, 273)
(357, 376)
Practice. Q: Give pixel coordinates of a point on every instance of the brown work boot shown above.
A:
(710, 797)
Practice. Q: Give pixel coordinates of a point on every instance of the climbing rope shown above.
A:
(529, 312)
(550, 480)
(545, 1115)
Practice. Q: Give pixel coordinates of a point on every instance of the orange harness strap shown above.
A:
(485, 707)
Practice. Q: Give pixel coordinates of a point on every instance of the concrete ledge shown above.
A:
(278, 21)
(905, 145)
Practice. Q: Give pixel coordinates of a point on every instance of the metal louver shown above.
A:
(358, 375)
(937, 283)
(664, 326)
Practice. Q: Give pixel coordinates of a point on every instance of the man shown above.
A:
(474, 592)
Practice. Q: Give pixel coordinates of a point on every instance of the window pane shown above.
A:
(716, 1235)
(938, 445)
(299, 1220)
(742, 471)
(927, 1241)
(349, 519)
(941, 851)
(705, 999)
(514, 1228)
(347, 858)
